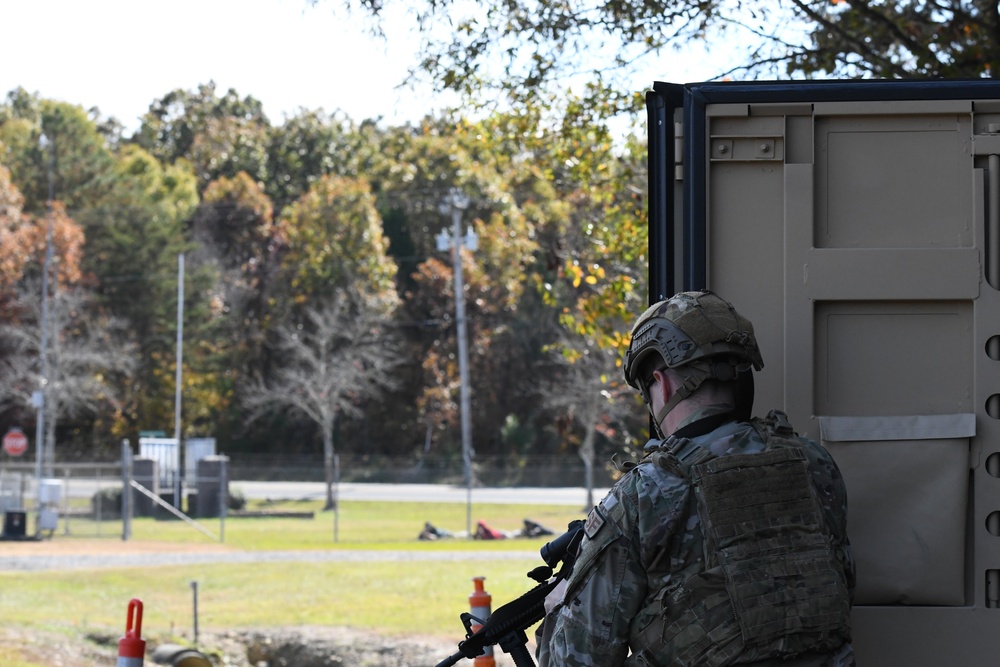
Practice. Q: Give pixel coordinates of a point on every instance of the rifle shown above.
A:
(506, 626)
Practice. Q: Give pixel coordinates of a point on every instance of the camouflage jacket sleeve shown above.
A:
(829, 484)
(610, 580)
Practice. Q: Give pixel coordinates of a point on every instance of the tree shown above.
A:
(338, 290)
(876, 38)
(519, 50)
(15, 245)
(134, 236)
(588, 389)
(342, 352)
(334, 240)
(306, 147)
(87, 358)
(76, 154)
(234, 232)
(235, 246)
(219, 135)
(126, 206)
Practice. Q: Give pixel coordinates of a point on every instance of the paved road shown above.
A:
(418, 492)
(440, 493)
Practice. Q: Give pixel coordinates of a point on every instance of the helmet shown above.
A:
(703, 337)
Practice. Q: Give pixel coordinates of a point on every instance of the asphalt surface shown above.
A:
(438, 493)
(441, 493)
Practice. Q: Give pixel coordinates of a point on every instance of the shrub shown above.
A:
(237, 501)
(107, 503)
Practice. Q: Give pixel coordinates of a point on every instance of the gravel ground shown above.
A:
(34, 563)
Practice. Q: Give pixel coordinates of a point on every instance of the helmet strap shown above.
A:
(695, 377)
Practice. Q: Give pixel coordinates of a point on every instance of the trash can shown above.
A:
(14, 524)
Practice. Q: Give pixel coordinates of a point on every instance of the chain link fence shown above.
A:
(72, 501)
(534, 471)
(85, 498)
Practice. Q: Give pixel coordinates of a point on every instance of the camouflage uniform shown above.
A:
(645, 540)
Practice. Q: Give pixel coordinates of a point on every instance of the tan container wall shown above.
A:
(857, 244)
(908, 483)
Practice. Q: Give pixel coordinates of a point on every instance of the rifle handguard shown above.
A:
(507, 624)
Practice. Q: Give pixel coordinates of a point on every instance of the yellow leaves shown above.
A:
(593, 274)
(574, 273)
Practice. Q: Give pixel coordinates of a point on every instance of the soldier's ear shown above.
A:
(662, 385)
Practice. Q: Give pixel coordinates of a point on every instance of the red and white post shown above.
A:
(132, 647)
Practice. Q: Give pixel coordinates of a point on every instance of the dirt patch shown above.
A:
(71, 546)
(56, 649)
(281, 647)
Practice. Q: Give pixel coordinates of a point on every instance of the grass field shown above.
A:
(398, 598)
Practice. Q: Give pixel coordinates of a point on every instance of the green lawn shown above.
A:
(365, 525)
(396, 598)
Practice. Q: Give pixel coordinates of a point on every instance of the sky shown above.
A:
(121, 55)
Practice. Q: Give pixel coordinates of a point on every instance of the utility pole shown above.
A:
(178, 485)
(455, 204)
(38, 397)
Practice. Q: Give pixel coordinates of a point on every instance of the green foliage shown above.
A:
(334, 206)
(899, 39)
(134, 237)
(218, 135)
(334, 238)
(237, 501)
(517, 436)
(75, 154)
(522, 51)
(306, 147)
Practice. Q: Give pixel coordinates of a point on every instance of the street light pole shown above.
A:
(456, 203)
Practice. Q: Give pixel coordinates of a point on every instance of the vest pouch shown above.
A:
(764, 526)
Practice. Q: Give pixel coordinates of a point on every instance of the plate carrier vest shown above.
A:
(772, 585)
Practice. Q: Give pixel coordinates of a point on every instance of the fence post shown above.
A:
(223, 496)
(96, 500)
(126, 490)
(64, 500)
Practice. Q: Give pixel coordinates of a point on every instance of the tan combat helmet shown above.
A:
(702, 337)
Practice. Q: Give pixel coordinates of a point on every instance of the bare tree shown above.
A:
(88, 359)
(589, 390)
(342, 352)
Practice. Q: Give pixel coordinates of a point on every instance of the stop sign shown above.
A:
(15, 442)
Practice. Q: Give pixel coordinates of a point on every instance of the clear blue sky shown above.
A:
(120, 55)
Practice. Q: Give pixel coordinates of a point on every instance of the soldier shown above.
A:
(726, 544)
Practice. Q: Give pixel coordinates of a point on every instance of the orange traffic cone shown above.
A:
(132, 647)
(480, 603)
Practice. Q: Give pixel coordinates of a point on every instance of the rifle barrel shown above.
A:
(449, 661)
